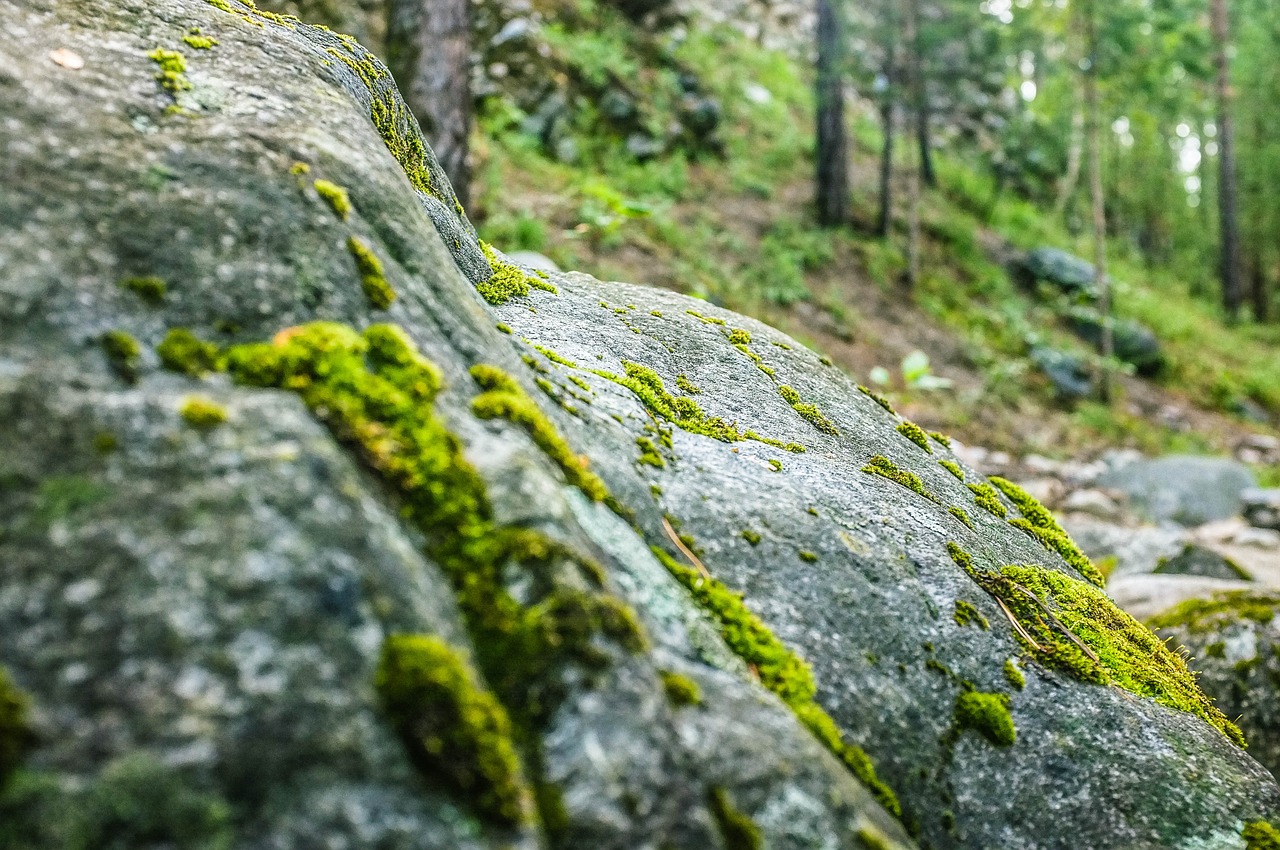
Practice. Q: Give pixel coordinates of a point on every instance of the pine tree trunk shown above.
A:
(1075, 151)
(429, 52)
(910, 32)
(1228, 215)
(923, 135)
(832, 144)
(1093, 142)
(887, 109)
(1258, 288)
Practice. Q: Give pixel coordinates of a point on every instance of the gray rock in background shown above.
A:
(1186, 489)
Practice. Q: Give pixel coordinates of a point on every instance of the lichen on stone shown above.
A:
(373, 279)
(882, 466)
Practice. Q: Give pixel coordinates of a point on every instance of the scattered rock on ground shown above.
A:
(1185, 489)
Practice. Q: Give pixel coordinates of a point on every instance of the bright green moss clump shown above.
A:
(200, 42)
(882, 466)
(960, 514)
(680, 689)
(1070, 626)
(1013, 674)
(952, 467)
(1030, 508)
(988, 715)
(808, 557)
(915, 434)
(182, 351)
(15, 732)
(203, 413)
(985, 497)
(505, 399)
(508, 280)
(124, 353)
(809, 411)
(150, 289)
(335, 196)
(878, 399)
(752, 537)
(453, 728)
(738, 336)
(967, 612)
(1230, 606)
(373, 279)
(172, 75)
(709, 320)
(686, 386)
(1040, 524)
(780, 670)
(941, 438)
(1260, 835)
(649, 453)
(736, 828)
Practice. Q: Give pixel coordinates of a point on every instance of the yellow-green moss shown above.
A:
(508, 280)
(808, 557)
(871, 837)
(988, 715)
(915, 434)
(960, 514)
(299, 168)
(182, 351)
(172, 75)
(775, 464)
(752, 537)
(878, 399)
(372, 278)
(335, 196)
(199, 42)
(738, 336)
(150, 289)
(505, 399)
(710, 320)
(1260, 835)
(941, 438)
(985, 497)
(1070, 626)
(203, 413)
(680, 689)
(1027, 505)
(455, 730)
(555, 357)
(503, 327)
(1199, 615)
(1013, 674)
(649, 453)
(15, 729)
(1040, 524)
(967, 612)
(736, 828)
(124, 353)
(686, 386)
(882, 466)
(779, 669)
(952, 467)
(809, 411)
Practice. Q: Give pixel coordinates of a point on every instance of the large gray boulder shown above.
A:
(1185, 489)
(1060, 270)
(324, 526)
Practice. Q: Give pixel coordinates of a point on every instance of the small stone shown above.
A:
(68, 59)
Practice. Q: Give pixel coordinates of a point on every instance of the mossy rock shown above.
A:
(216, 599)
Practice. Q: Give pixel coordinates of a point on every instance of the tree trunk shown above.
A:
(923, 119)
(1228, 216)
(910, 32)
(429, 52)
(1258, 288)
(1092, 132)
(887, 109)
(832, 144)
(1075, 149)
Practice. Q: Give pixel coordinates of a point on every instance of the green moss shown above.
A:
(503, 327)
(505, 399)
(686, 386)
(182, 351)
(649, 453)
(657, 313)
(1027, 505)
(372, 278)
(961, 514)
(150, 289)
(967, 612)
(1013, 674)
(454, 729)
(752, 537)
(988, 715)
(794, 448)
(736, 828)
(1200, 615)
(681, 690)
(1260, 835)
(299, 168)
(878, 399)
(199, 42)
(775, 464)
(985, 497)
(710, 320)
(808, 557)
(203, 413)
(738, 336)
(779, 669)
(870, 837)
(1064, 546)
(882, 466)
(952, 467)
(124, 353)
(335, 196)
(941, 438)
(172, 75)
(104, 442)
(15, 730)
(508, 280)
(915, 434)
(809, 411)
(555, 357)
(1070, 626)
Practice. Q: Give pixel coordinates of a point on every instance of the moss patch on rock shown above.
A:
(124, 354)
(150, 289)
(808, 411)
(984, 496)
(335, 196)
(182, 351)
(15, 730)
(878, 399)
(1260, 835)
(915, 434)
(885, 468)
(1040, 524)
(508, 280)
(736, 828)
(373, 279)
(202, 413)
(952, 467)
(1199, 615)
(680, 689)
(988, 715)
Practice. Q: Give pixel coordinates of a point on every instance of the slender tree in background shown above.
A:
(429, 52)
(911, 39)
(832, 143)
(1228, 215)
(1088, 21)
(888, 126)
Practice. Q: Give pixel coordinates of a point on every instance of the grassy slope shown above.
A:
(736, 230)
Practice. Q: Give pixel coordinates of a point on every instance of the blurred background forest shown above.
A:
(1042, 225)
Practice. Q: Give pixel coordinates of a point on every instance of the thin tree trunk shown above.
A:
(1258, 288)
(1228, 216)
(429, 52)
(924, 118)
(910, 32)
(1092, 132)
(887, 109)
(1075, 152)
(832, 143)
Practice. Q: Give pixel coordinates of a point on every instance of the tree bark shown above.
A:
(1261, 297)
(832, 176)
(924, 118)
(888, 125)
(1228, 215)
(1075, 148)
(910, 36)
(1092, 132)
(429, 53)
